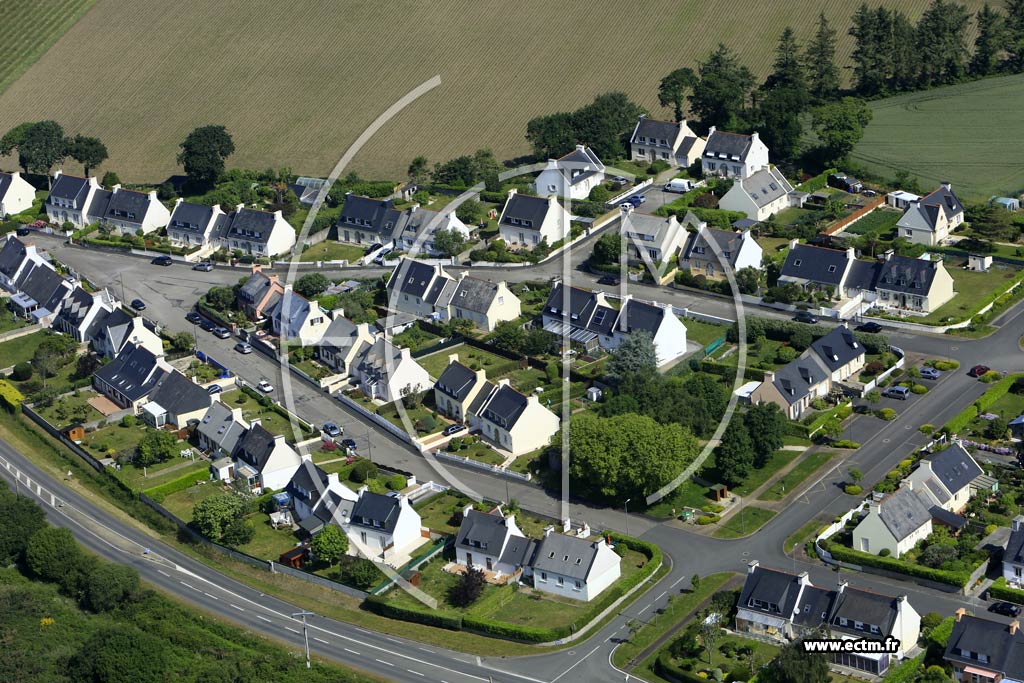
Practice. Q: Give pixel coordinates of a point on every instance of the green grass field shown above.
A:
(344, 69)
(972, 289)
(29, 27)
(789, 483)
(971, 135)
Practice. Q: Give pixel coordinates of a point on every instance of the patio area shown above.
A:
(492, 577)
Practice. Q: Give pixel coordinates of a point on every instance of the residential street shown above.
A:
(168, 292)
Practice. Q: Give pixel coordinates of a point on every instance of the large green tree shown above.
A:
(783, 98)
(1014, 39)
(330, 544)
(840, 126)
(794, 665)
(604, 124)
(988, 45)
(720, 95)
(156, 445)
(942, 44)
(20, 518)
(551, 135)
(40, 145)
(734, 456)
(449, 242)
(111, 585)
(767, 427)
(312, 285)
(54, 555)
(634, 356)
(88, 151)
(211, 516)
(418, 169)
(608, 248)
(203, 154)
(120, 653)
(820, 63)
(673, 89)
(869, 52)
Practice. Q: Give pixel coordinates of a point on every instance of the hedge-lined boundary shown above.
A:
(844, 554)
(158, 493)
(906, 671)
(1002, 591)
(10, 398)
(528, 634)
(984, 402)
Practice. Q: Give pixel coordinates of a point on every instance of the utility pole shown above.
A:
(626, 515)
(305, 632)
(369, 445)
(120, 276)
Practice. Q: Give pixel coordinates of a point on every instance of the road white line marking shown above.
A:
(210, 596)
(393, 640)
(383, 662)
(425, 650)
(240, 609)
(361, 630)
(188, 586)
(260, 616)
(293, 630)
(352, 651)
(661, 596)
(580, 661)
(320, 640)
(414, 672)
(644, 608)
(163, 573)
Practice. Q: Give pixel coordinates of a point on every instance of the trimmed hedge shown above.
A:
(817, 182)
(10, 398)
(379, 605)
(158, 493)
(906, 671)
(664, 667)
(501, 629)
(984, 402)
(1001, 591)
(844, 554)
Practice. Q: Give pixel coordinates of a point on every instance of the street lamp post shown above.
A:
(625, 506)
(305, 632)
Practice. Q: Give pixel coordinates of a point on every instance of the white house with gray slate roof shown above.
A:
(527, 221)
(945, 477)
(483, 302)
(896, 523)
(256, 233)
(491, 541)
(574, 567)
(657, 238)
(70, 198)
(669, 141)
(738, 250)
(457, 388)
(127, 212)
(573, 175)
(417, 227)
(733, 155)
(16, 194)
(193, 225)
(760, 195)
(384, 527)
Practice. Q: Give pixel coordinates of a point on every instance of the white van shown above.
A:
(678, 185)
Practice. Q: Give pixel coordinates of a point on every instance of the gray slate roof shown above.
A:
(816, 264)
(765, 186)
(456, 381)
(474, 294)
(855, 604)
(1005, 650)
(815, 606)
(728, 243)
(955, 467)
(838, 348)
(372, 215)
(565, 555)
(1015, 544)
(256, 447)
(373, 507)
(530, 211)
(219, 426)
(177, 394)
(190, 217)
(413, 277)
(5, 183)
(70, 187)
(505, 407)
(653, 129)
(45, 285)
(134, 372)
(251, 225)
(905, 274)
(484, 531)
(11, 256)
(794, 380)
(733, 145)
(127, 205)
(776, 590)
(904, 512)
(642, 317)
(863, 275)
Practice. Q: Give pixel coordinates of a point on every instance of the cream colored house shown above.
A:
(484, 303)
(573, 175)
(945, 478)
(671, 141)
(896, 523)
(920, 285)
(342, 343)
(457, 388)
(515, 422)
(930, 220)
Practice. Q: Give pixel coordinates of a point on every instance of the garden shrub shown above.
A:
(363, 470)
(853, 490)
(21, 372)
(919, 389)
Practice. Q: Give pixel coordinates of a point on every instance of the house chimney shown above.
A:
(257, 268)
(566, 525)
(466, 510)
(888, 254)
(453, 358)
(547, 530)
(959, 614)
(1014, 627)
(406, 353)
(511, 192)
(793, 243)
(948, 185)
(504, 381)
(711, 131)
(115, 188)
(805, 578)
(1018, 522)
(278, 214)
(255, 421)
(608, 540)
(769, 376)
(753, 564)
(178, 201)
(332, 479)
(754, 137)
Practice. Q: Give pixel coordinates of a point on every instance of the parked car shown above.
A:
(1007, 609)
(637, 199)
(899, 393)
(214, 389)
(243, 348)
(806, 317)
(193, 317)
(349, 444)
(206, 326)
(373, 247)
(930, 373)
(978, 370)
(222, 333)
(332, 430)
(872, 327)
(611, 280)
(138, 304)
(869, 193)
(453, 429)
(620, 181)
(265, 386)
(21, 232)
(162, 261)
(379, 259)
(205, 266)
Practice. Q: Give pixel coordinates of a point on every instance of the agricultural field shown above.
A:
(29, 27)
(344, 69)
(971, 135)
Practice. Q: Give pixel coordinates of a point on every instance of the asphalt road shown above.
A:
(171, 290)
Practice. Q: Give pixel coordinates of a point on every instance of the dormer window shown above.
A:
(831, 269)
(796, 263)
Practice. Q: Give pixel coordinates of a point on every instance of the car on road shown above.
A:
(930, 373)
(265, 386)
(204, 267)
(162, 261)
(222, 333)
(206, 325)
(1007, 609)
(349, 444)
(193, 317)
(138, 304)
(608, 280)
(453, 429)
(806, 317)
(978, 370)
(899, 393)
(21, 232)
(637, 199)
(243, 348)
(332, 430)
(872, 327)
(214, 389)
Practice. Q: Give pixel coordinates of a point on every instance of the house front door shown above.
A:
(469, 559)
(490, 565)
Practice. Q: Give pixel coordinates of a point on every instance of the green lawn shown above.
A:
(760, 654)
(703, 333)
(9, 321)
(1009, 406)
(20, 350)
(473, 358)
(113, 439)
(969, 134)
(132, 475)
(879, 222)
(763, 355)
(390, 413)
(415, 338)
(268, 543)
(791, 216)
(272, 421)
(774, 245)
(805, 468)
(436, 512)
(312, 368)
(332, 251)
(745, 522)
(779, 459)
(180, 503)
(972, 290)
(70, 409)
(802, 534)
(481, 452)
